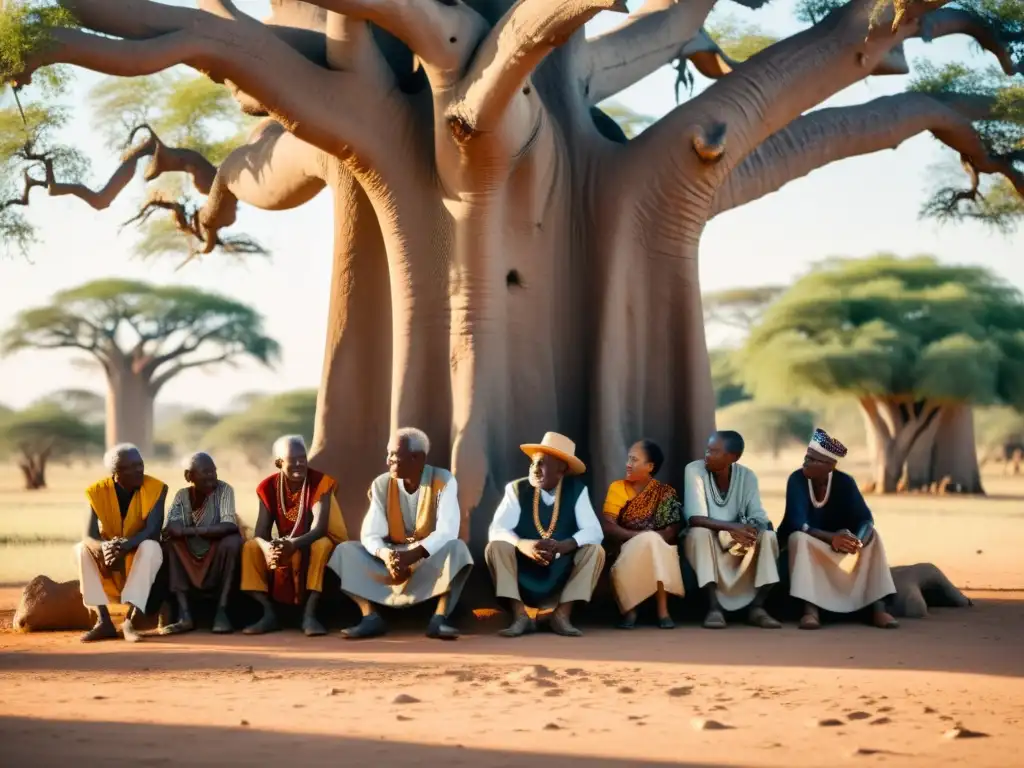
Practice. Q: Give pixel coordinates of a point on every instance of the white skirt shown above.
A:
(645, 561)
(835, 581)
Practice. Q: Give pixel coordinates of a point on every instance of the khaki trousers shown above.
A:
(737, 576)
(588, 561)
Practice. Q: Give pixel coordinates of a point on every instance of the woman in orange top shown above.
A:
(644, 516)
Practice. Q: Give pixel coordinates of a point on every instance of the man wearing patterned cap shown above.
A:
(836, 559)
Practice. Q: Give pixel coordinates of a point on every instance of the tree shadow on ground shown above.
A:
(979, 640)
(34, 742)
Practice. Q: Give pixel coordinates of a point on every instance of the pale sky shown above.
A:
(853, 208)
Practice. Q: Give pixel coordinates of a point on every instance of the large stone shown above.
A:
(48, 606)
(923, 586)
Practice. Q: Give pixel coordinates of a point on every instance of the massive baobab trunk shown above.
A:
(505, 262)
(946, 454)
(130, 402)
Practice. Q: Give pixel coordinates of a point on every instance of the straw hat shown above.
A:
(559, 446)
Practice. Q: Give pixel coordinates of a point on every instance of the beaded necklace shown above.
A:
(286, 508)
(828, 490)
(716, 495)
(546, 534)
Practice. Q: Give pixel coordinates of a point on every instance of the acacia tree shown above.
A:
(142, 336)
(540, 270)
(252, 431)
(43, 433)
(915, 341)
(767, 427)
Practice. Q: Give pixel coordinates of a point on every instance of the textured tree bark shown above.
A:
(893, 429)
(130, 400)
(33, 468)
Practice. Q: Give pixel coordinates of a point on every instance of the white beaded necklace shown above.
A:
(828, 490)
(716, 495)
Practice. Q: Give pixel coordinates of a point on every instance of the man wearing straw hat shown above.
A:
(545, 539)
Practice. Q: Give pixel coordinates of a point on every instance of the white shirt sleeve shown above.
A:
(375, 524)
(590, 528)
(505, 519)
(448, 519)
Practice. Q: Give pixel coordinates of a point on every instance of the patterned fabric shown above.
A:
(219, 507)
(655, 508)
(827, 445)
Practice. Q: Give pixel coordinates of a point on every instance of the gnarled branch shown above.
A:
(650, 38)
(949, 21)
(827, 135)
(511, 52)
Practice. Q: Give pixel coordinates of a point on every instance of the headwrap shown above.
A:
(826, 445)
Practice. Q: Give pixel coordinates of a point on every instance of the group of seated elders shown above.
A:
(544, 541)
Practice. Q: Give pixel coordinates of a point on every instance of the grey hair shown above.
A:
(282, 444)
(111, 457)
(189, 461)
(416, 440)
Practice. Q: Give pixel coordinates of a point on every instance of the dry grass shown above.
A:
(976, 540)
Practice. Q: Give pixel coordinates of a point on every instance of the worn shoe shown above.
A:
(562, 626)
(104, 630)
(884, 620)
(810, 621)
(267, 624)
(178, 627)
(521, 625)
(129, 632)
(665, 622)
(714, 620)
(759, 617)
(439, 629)
(628, 621)
(370, 626)
(221, 623)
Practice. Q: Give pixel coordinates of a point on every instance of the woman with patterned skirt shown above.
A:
(643, 516)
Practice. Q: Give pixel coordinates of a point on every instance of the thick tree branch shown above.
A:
(650, 38)
(949, 21)
(164, 159)
(316, 104)
(511, 52)
(827, 135)
(160, 379)
(774, 87)
(442, 35)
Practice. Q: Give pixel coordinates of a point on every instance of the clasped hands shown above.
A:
(845, 542)
(544, 551)
(281, 551)
(178, 531)
(113, 550)
(398, 562)
(744, 534)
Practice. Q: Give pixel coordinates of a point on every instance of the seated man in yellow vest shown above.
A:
(120, 556)
(300, 501)
(409, 549)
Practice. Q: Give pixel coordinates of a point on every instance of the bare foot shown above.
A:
(221, 623)
(561, 625)
(104, 630)
(810, 621)
(267, 624)
(178, 627)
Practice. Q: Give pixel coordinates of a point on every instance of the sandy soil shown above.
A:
(788, 698)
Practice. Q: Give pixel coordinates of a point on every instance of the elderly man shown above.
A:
(409, 549)
(120, 556)
(729, 544)
(300, 502)
(545, 539)
(202, 542)
(836, 559)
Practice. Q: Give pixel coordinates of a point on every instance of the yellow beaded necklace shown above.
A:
(546, 534)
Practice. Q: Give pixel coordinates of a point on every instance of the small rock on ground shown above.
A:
(404, 698)
(704, 724)
(680, 690)
(960, 732)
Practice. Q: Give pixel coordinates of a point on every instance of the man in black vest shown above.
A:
(545, 540)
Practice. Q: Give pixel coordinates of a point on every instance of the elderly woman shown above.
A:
(836, 559)
(643, 516)
(729, 544)
(201, 542)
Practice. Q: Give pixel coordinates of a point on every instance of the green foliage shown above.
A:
(49, 429)
(89, 406)
(26, 27)
(632, 123)
(165, 329)
(813, 11)
(997, 202)
(767, 427)
(890, 327)
(253, 431)
(27, 145)
(186, 111)
(739, 40)
(739, 307)
(185, 433)
(725, 378)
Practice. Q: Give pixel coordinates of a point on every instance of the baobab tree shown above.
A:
(505, 261)
(142, 336)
